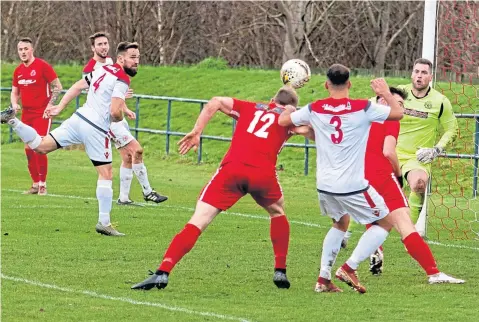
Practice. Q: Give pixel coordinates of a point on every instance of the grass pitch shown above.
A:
(56, 268)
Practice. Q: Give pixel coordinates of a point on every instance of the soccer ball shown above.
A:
(295, 73)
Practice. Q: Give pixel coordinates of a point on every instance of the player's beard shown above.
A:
(421, 87)
(130, 71)
(99, 54)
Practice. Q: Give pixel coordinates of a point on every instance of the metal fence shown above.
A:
(306, 145)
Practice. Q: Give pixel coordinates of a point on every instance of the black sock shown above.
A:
(160, 272)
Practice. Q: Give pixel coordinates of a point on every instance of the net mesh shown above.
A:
(453, 208)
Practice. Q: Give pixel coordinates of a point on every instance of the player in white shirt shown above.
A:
(341, 128)
(90, 124)
(129, 148)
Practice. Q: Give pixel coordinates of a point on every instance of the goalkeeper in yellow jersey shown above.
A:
(425, 110)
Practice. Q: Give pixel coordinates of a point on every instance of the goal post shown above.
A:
(451, 42)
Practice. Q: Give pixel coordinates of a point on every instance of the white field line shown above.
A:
(234, 214)
(125, 299)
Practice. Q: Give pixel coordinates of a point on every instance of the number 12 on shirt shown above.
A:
(267, 118)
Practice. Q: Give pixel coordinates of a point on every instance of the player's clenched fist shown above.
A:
(190, 140)
(379, 86)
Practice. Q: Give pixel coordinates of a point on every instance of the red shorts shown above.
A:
(388, 187)
(41, 125)
(233, 180)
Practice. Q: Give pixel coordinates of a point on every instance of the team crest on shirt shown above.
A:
(33, 73)
(428, 105)
(260, 106)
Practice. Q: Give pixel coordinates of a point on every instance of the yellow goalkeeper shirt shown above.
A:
(420, 124)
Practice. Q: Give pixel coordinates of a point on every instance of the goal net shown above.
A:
(452, 204)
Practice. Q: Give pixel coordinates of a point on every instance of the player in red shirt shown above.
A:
(248, 167)
(35, 81)
(384, 174)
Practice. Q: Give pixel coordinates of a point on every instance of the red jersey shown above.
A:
(258, 138)
(377, 165)
(33, 83)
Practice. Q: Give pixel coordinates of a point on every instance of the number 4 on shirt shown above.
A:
(96, 84)
(268, 120)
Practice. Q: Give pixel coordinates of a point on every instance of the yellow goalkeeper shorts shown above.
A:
(411, 163)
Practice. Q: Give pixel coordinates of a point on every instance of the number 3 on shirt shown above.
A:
(96, 84)
(337, 136)
(267, 118)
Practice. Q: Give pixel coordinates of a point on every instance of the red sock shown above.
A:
(279, 233)
(347, 268)
(32, 164)
(322, 280)
(369, 226)
(420, 251)
(42, 164)
(181, 244)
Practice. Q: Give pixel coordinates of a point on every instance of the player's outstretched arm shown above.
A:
(223, 104)
(381, 88)
(285, 117)
(72, 92)
(304, 130)
(192, 139)
(449, 123)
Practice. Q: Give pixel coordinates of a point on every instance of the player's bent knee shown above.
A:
(385, 223)
(419, 186)
(342, 224)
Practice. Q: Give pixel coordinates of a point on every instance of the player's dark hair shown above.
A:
(398, 91)
(424, 61)
(25, 39)
(98, 35)
(286, 96)
(124, 46)
(338, 74)
(395, 90)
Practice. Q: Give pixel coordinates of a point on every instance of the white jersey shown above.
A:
(341, 128)
(93, 64)
(105, 83)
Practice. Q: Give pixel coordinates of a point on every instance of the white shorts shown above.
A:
(121, 133)
(364, 207)
(77, 131)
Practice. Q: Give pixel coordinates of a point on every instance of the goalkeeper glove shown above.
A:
(427, 155)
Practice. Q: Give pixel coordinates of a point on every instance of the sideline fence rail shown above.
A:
(306, 145)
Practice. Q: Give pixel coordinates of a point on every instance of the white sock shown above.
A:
(331, 247)
(104, 194)
(367, 245)
(142, 175)
(126, 176)
(41, 183)
(26, 133)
